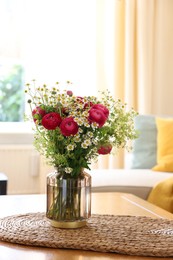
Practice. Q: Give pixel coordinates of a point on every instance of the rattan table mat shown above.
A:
(103, 233)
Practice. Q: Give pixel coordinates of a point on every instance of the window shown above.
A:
(11, 92)
(47, 40)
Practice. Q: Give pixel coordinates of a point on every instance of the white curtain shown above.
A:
(149, 65)
(135, 56)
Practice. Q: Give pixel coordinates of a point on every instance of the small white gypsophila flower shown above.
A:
(70, 147)
(68, 170)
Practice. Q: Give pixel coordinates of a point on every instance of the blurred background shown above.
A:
(125, 46)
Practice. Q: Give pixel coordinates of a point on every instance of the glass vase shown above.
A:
(68, 199)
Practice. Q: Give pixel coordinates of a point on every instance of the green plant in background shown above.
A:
(11, 93)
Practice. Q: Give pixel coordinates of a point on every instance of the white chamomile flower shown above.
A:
(87, 142)
(80, 106)
(90, 134)
(59, 98)
(63, 102)
(70, 147)
(86, 124)
(84, 145)
(95, 141)
(80, 130)
(73, 113)
(68, 170)
(95, 149)
(85, 114)
(79, 121)
(77, 139)
(94, 125)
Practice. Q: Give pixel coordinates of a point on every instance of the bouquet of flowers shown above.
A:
(71, 131)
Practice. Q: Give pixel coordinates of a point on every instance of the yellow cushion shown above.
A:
(164, 145)
(162, 195)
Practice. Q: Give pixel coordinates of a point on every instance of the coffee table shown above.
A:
(102, 203)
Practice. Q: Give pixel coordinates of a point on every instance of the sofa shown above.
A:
(144, 170)
(139, 182)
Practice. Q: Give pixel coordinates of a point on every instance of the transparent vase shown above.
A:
(68, 199)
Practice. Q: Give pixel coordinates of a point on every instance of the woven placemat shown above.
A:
(103, 233)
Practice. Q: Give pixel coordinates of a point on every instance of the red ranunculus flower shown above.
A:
(79, 99)
(68, 126)
(38, 113)
(65, 111)
(105, 149)
(51, 120)
(69, 93)
(96, 115)
(88, 105)
(102, 108)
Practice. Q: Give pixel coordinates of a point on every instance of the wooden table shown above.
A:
(107, 203)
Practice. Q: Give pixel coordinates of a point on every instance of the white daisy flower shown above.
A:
(84, 145)
(68, 170)
(80, 105)
(87, 142)
(80, 130)
(95, 141)
(85, 114)
(90, 134)
(86, 124)
(94, 125)
(77, 139)
(79, 121)
(70, 147)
